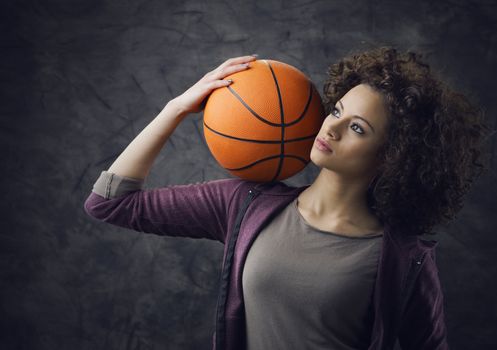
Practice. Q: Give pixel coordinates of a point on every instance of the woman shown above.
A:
(339, 263)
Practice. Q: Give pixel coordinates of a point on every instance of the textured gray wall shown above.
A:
(81, 78)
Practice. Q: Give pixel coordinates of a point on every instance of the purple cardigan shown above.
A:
(408, 298)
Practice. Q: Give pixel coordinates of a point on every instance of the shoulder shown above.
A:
(413, 246)
(276, 192)
(266, 188)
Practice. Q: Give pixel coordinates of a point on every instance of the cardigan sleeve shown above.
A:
(423, 324)
(199, 210)
(110, 185)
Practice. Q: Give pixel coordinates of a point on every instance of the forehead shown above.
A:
(365, 101)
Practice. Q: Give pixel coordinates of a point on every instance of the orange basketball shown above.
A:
(262, 126)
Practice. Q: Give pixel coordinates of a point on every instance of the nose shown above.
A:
(332, 130)
(333, 134)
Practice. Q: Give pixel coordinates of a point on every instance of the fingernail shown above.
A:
(255, 55)
(229, 81)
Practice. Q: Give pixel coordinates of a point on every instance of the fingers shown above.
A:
(232, 65)
(241, 59)
(218, 83)
(230, 70)
(235, 61)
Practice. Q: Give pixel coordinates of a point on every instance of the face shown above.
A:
(354, 130)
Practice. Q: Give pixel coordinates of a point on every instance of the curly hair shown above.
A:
(433, 151)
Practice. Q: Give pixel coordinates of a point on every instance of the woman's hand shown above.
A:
(193, 100)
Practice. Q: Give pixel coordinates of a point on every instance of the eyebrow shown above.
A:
(357, 116)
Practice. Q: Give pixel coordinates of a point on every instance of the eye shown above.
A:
(334, 109)
(361, 131)
(358, 130)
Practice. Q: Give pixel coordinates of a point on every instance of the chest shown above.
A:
(343, 228)
(294, 260)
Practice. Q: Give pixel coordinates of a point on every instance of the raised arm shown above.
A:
(137, 159)
(195, 210)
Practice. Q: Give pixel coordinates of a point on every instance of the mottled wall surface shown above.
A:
(81, 78)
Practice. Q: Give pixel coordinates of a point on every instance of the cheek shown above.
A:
(361, 153)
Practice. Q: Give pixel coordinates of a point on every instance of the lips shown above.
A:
(323, 143)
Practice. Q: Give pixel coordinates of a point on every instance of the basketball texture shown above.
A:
(262, 126)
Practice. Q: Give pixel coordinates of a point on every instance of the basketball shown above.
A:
(262, 126)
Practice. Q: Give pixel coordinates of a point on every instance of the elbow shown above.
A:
(91, 205)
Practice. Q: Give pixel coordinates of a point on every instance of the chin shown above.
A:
(320, 161)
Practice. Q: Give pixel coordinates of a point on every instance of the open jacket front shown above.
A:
(408, 298)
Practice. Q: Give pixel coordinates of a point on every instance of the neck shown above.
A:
(338, 198)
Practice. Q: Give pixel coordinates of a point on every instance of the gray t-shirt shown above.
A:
(305, 288)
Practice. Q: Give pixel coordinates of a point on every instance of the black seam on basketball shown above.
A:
(250, 109)
(309, 99)
(258, 141)
(282, 121)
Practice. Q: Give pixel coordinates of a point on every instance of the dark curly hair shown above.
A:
(433, 151)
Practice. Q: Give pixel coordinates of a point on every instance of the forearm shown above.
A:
(138, 157)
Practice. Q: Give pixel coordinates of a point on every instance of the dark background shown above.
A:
(81, 78)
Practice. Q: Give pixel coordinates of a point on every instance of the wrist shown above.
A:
(175, 108)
